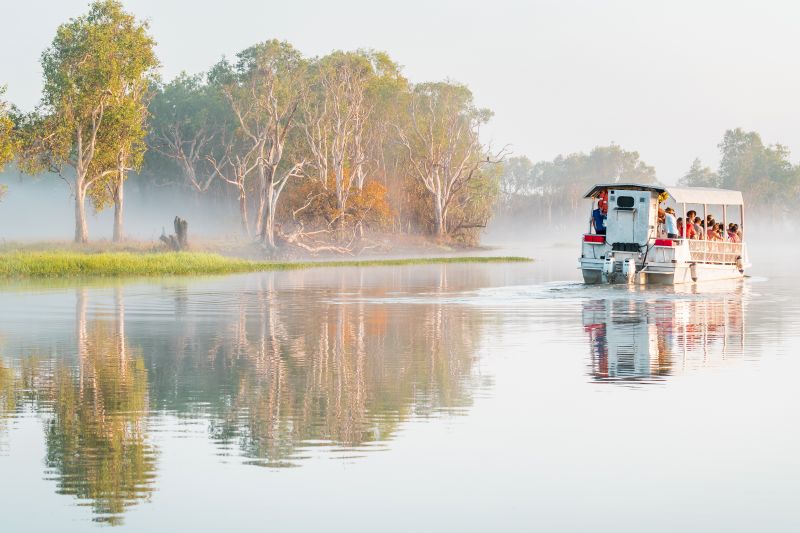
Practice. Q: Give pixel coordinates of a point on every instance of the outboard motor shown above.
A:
(629, 270)
(608, 268)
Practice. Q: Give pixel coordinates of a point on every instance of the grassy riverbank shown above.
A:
(63, 264)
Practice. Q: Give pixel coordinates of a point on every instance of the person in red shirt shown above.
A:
(681, 230)
(690, 233)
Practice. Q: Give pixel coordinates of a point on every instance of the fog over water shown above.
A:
(42, 209)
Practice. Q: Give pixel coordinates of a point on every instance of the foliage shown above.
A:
(700, 176)
(318, 205)
(443, 148)
(95, 73)
(263, 89)
(8, 140)
(552, 190)
(188, 117)
(474, 206)
(763, 173)
(123, 142)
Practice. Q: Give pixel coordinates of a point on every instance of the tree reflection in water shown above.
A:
(274, 372)
(8, 399)
(645, 340)
(96, 434)
(332, 373)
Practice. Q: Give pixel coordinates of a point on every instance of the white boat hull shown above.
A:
(670, 269)
(672, 276)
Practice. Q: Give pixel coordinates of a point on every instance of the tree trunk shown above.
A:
(243, 212)
(262, 202)
(81, 230)
(440, 222)
(267, 229)
(119, 205)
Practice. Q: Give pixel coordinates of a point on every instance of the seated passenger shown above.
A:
(680, 228)
(711, 231)
(716, 232)
(698, 228)
(733, 233)
(599, 221)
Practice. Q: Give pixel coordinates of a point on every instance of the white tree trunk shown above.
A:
(440, 220)
(81, 229)
(243, 211)
(119, 206)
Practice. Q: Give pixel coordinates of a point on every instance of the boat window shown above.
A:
(625, 202)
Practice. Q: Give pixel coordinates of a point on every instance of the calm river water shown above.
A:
(436, 398)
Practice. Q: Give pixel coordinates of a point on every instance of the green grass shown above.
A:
(64, 264)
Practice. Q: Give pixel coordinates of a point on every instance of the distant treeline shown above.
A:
(551, 191)
(314, 152)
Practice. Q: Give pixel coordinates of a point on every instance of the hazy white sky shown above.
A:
(664, 78)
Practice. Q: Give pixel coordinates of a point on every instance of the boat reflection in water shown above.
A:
(641, 340)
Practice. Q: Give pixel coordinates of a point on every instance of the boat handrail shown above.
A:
(719, 252)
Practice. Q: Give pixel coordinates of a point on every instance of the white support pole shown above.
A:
(724, 222)
(704, 225)
(685, 222)
(741, 220)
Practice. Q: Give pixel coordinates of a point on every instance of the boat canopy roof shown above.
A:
(681, 195)
(595, 191)
(705, 195)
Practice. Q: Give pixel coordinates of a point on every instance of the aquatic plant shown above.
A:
(59, 264)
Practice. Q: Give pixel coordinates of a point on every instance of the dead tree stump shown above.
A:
(180, 239)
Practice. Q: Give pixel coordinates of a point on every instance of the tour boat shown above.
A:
(635, 249)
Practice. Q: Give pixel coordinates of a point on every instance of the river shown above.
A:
(472, 397)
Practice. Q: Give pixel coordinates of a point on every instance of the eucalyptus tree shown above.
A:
(237, 162)
(387, 98)
(189, 117)
(93, 61)
(123, 139)
(264, 89)
(336, 114)
(443, 146)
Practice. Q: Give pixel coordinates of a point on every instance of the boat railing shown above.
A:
(718, 252)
